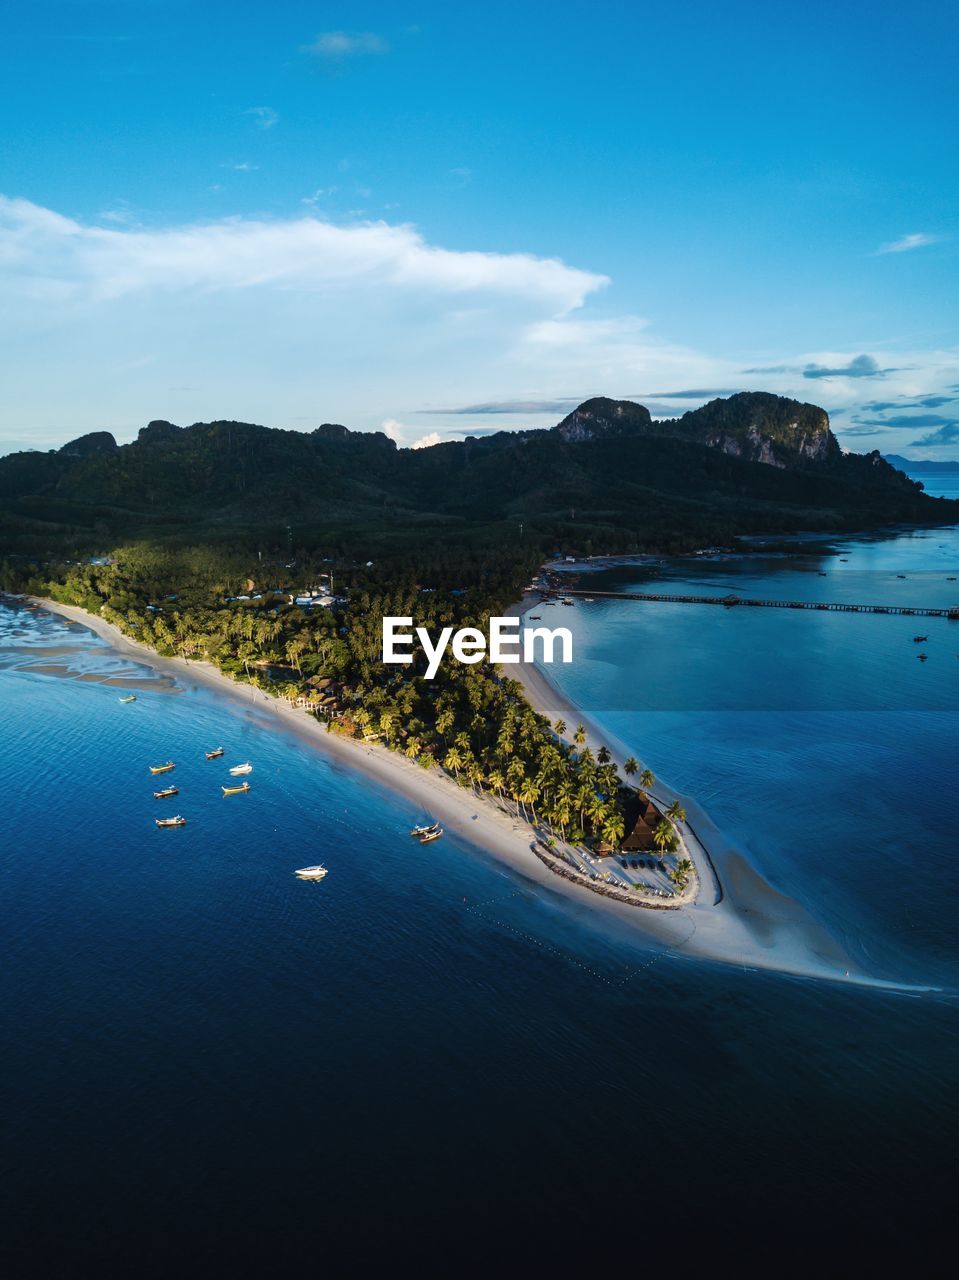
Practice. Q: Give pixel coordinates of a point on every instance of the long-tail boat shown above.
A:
(235, 791)
(131, 697)
(214, 755)
(167, 791)
(162, 768)
(170, 822)
(431, 835)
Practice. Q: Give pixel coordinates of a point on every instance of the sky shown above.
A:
(438, 220)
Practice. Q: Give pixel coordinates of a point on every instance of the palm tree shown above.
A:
(412, 748)
(453, 760)
(676, 812)
(496, 781)
(579, 737)
(646, 780)
(662, 836)
(560, 726)
(613, 829)
(630, 765)
(528, 795)
(603, 756)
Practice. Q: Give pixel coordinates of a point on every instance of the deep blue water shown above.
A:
(211, 1066)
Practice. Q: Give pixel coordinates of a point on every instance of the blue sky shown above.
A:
(455, 218)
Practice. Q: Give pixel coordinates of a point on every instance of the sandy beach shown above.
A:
(737, 917)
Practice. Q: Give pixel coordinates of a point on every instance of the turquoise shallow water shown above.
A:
(208, 1063)
(818, 740)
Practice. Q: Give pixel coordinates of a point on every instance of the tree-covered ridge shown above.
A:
(607, 479)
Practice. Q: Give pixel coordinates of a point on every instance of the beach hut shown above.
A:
(641, 819)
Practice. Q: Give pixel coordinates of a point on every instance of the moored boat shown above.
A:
(239, 769)
(311, 873)
(131, 697)
(431, 835)
(425, 831)
(214, 755)
(235, 791)
(167, 791)
(162, 768)
(178, 821)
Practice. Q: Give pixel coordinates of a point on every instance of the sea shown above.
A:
(212, 1067)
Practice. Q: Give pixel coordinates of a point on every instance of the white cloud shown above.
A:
(918, 240)
(427, 441)
(336, 45)
(395, 430)
(243, 167)
(40, 248)
(321, 193)
(265, 117)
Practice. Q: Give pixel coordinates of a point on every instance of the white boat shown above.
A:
(241, 768)
(425, 831)
(311, 873)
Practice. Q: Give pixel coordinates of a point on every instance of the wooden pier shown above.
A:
(733, 601)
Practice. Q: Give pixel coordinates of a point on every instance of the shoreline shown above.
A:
(736, 918)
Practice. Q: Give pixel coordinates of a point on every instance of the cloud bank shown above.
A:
(42, 251)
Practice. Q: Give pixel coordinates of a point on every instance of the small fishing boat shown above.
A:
(171, 822)
(239, 769)
(162, 768)
(431, 835)
(923, 657)
(131, 697)
(311, 873)
(235, 791)
(425, 831)
(214, 755)
(589, 600)
(167, 791)
(919, 639)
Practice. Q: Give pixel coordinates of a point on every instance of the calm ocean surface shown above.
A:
(209, 1065)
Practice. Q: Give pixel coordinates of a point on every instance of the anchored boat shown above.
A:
(425, 831)
(162, 768)
(167, 791)
(431, 835)
(171, 822)
(239, 769)
(131, 697)
(312, 873)
(214, 755)
(235, 791)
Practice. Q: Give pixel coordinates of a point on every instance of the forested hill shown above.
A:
(608, 478)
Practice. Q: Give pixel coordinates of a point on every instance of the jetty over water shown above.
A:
(734, 601)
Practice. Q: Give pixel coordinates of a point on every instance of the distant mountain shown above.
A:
(607, 478)
(753, 425)
(909, 465)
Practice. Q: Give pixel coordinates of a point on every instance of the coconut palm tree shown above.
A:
(528, 795)
(630, 765)
(676, 812)
(646, 780)
(603, 756)
(663, 836)
(579, 737)
(613, 829)
(560, 726)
